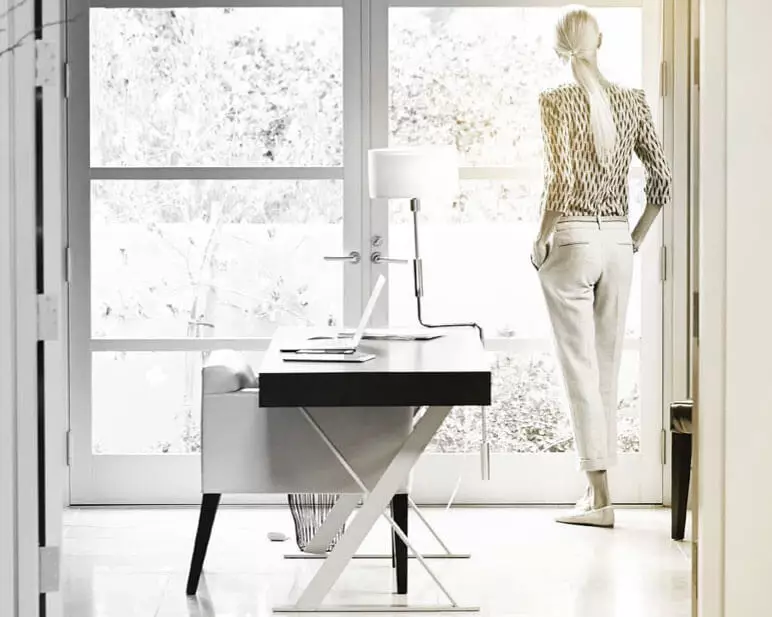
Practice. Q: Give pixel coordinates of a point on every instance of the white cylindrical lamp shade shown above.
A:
(418, 172)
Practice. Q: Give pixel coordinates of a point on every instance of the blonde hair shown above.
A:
(577, 38)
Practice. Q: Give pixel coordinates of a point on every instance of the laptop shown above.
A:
(342, 345)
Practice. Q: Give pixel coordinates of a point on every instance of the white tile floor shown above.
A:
(133, 562)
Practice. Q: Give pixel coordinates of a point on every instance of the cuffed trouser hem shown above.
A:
(598, 464)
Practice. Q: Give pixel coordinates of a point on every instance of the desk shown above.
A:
(341, 428)
(436, 375)
(450, 370)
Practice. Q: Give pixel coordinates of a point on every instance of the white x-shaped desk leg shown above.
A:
(340, 513)
(373, 506)
(318, 547)
(335, 520)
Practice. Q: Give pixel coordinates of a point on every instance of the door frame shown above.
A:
(710, 478)
(676, 79)
(432, 484)
(18, 371)
(32, 406)
(18, 310)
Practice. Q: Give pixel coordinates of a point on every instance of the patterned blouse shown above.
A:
(575, 183)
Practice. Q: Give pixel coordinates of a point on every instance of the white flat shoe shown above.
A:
(601, 517)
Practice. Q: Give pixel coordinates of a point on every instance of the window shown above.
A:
(217, 157)
(470, 77)
(221, 169)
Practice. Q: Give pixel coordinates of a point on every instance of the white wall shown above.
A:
(735, 334)
(748, 510)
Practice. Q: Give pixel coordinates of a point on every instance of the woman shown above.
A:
(584, 249)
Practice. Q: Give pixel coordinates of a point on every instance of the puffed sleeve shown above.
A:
(558, 169)
(648, 148)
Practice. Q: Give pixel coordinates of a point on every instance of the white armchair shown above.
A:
(251, 449)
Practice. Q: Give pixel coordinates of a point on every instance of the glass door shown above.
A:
(215, 165)
(468, 74)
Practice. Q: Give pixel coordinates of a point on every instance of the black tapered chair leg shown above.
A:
(209, 505)
(680, 474)
(393, 543)
(399, 512)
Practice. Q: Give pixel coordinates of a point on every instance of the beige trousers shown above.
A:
(586, 280)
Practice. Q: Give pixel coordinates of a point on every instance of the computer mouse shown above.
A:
(277, 536)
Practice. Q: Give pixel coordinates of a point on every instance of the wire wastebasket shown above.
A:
(309, 511)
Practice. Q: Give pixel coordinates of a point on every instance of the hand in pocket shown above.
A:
(539, 254)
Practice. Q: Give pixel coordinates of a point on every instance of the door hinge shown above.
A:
(663, 75)
(45, 63)
(67, 265)
(663, 263)
(695, 576)
(696, 65)
(663, 447)
(49, 559)
(48, 317)
(696, 314)
(68, 448)
(66, 81)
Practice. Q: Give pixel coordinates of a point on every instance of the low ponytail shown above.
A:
(577, 38)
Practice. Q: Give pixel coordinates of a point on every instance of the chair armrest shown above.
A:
(681, 416)
(227, 371)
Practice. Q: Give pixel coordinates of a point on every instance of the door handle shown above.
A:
(378, 258)
(353, 257)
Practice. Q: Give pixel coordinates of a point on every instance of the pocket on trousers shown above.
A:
(544, 261)
(576, 243)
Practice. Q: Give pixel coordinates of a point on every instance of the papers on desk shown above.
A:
(377, 334)
(397, 334)
(318, 356)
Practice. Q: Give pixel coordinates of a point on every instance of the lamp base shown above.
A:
(418, 278)
(419, 314)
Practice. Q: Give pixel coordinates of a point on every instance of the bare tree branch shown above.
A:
(32, 33)
(16, 45)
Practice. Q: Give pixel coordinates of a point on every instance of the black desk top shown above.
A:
(450, 370)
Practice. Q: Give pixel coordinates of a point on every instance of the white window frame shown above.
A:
(107, 480)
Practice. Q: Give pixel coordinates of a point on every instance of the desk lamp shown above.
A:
(417, 173)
